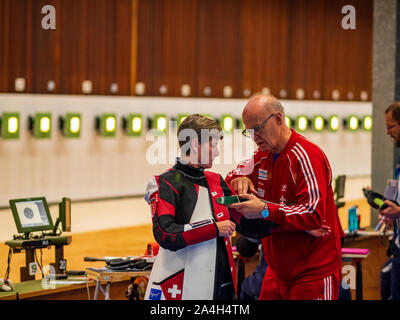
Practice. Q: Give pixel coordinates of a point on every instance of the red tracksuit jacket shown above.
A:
(299, 186)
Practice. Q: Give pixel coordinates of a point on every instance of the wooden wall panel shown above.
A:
(45, 49)
(99, 45)
(174, 67)
(121, 53)
(348, 53)
(246, 44)
(5, 42)
(333, 44)
(108, 45)
(264, 47)
(218, 46)
(178, 61)
(148, 18)
(277, 51)
(166, 45)
(314, 57)
(94, 41)
(297, 48)
(3, 35)
(252, 24)
(73, 33)
(15, 42)
(305, 53)
(362, 59)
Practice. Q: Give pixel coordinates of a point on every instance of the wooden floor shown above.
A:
(122, 242)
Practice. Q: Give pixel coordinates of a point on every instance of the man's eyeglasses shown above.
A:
(388, 128)
(250, 133)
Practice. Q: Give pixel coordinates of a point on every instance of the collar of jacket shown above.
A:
(292, 140)
(188, 170)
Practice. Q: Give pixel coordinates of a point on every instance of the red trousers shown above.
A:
(321, 289)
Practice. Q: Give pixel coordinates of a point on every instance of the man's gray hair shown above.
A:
(272, 103)
(276, 105)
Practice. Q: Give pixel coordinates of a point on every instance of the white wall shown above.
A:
(95, 167)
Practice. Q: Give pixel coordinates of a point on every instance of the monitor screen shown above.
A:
(31, 214)
(340, 186)
(65, 214)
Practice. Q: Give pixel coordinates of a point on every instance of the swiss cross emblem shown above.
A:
(172, 286)
(174, 291)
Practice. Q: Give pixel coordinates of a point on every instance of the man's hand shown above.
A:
(225, 228)
(388, 222)
(243, 185)
(249, 209)
(392, 211)
(321, 232)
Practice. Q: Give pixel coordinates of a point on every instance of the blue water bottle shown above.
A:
(353, 220)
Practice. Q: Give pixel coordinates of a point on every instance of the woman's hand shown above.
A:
(225, 228)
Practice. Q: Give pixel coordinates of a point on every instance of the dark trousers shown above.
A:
(385, 280)
(390, 279)
(395, 278)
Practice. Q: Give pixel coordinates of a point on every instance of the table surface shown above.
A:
(54, 240)
(34, 288)
(368, 234)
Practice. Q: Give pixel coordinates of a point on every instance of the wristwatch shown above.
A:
(265, 211)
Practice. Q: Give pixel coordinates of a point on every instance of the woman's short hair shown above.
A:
(198, 126)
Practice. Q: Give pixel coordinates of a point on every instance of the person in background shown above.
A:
(251, 285)
(391, 215)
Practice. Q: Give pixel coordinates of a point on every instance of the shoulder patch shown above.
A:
(152, 187)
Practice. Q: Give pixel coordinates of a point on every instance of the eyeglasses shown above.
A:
(388, 128)
(250, 133)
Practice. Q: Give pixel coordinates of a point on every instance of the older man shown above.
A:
(293, 177)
